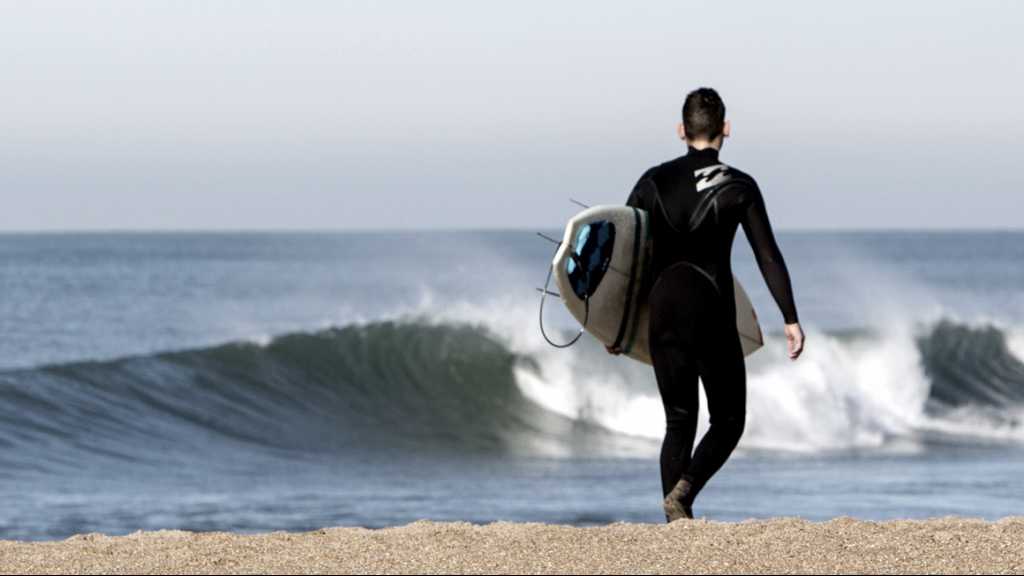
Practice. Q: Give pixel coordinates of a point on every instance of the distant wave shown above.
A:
(452, 387)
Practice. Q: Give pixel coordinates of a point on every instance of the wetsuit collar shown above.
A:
(709, 153)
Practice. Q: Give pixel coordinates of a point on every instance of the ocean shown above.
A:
(257, 382)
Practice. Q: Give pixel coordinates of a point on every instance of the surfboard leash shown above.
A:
(544, 293)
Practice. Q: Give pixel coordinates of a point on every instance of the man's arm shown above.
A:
(635, 199)
(641, 195)
(773, 267)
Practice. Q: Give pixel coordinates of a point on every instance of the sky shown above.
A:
(335, 115)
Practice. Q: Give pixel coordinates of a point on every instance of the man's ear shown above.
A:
(681, 130)
(726, 129)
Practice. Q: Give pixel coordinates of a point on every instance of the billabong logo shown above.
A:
(711, 176)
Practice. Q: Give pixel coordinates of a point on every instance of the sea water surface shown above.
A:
(278, 381)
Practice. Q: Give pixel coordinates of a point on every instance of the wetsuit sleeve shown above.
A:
(640, 197)
(635, 199)
(762, 241)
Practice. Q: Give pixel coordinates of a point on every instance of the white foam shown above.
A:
(1015, 342)
(844, 392)
(838, 395)
(607, 402)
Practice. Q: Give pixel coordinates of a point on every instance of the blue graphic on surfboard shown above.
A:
(599, 268)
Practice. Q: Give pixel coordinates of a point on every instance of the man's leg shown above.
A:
(675, 308)
(677, 383)
(724, 376)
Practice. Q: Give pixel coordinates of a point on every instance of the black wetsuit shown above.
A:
(695, 205)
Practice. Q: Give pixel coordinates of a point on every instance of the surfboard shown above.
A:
(599, 269)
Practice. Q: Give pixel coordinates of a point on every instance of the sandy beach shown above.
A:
(948, 545)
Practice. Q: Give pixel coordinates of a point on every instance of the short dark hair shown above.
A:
(703, 114)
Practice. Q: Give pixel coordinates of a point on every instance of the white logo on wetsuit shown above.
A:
(711, 176)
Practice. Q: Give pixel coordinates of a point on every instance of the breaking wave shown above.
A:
(418, 385)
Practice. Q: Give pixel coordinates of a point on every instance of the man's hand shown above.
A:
(795, 337)
(612, 349)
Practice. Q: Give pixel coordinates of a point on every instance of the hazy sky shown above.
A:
(343, 115)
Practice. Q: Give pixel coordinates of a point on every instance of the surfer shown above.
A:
(696, 204)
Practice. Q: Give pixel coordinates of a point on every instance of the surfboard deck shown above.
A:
(599, 267)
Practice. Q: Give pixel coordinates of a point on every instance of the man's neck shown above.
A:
(705, 144)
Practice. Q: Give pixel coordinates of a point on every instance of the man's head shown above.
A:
(704, 124)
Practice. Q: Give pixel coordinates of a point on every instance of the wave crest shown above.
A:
(420, 386)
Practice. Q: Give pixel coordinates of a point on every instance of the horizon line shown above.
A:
(427, 230)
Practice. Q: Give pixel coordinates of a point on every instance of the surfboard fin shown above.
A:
(549, 238)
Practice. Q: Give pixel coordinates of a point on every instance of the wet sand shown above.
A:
(948, 545)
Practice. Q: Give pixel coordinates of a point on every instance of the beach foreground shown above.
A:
(948, 545)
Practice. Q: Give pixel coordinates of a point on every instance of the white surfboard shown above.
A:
(599, 268)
